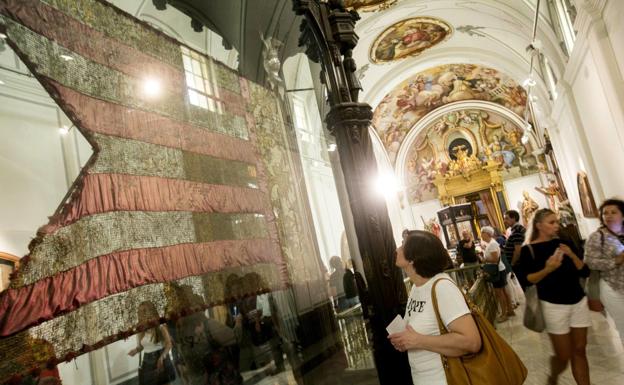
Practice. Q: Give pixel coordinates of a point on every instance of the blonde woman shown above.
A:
(155, 345)
(555, 267)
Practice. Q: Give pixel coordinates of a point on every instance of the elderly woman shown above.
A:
(604, 252)
(492, 256)
(424, 258)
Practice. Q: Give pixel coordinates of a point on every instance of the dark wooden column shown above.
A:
(328, 34)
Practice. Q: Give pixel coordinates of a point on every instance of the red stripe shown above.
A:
(117, 192)
(78, 37)
(118, 272)
(116, 120)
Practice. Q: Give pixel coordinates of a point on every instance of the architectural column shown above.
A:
(349, 123)
(329, 36)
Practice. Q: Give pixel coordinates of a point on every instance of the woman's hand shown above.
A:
(619, 259)
(160, 363)
(566, 250)
(405, 340)
(133, 352)
(553, 262)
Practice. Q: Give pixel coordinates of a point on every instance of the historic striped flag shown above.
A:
(183, 186)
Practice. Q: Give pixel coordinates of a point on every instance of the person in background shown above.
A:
(336, 283)
(555, 267)
(466, 252)
(424, 258)
(155, 343)
(604, 252)
(492, 255)
(350, 287)
(514, 242)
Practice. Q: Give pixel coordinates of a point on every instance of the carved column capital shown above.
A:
(352, 117)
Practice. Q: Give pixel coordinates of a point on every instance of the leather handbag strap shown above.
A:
(434, 300)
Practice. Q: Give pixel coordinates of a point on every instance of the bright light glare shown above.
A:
(151, 87)
(529, 82)
(2, 36)
(525, 138)
(64, 130)
(332, 147)
(387, 185)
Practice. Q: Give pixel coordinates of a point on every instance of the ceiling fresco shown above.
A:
(415, 97)
(368, 5)
(461, 141)
(409, 38)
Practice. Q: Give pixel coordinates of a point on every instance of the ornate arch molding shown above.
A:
(438, 113)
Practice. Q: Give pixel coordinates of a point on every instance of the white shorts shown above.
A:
(560, 318)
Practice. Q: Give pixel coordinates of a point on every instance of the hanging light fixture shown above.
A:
(532, 49)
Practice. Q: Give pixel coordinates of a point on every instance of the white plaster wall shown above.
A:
(573, 154)
(32, 172)
(425, 210)
(613, 16)
(77, 371)
(604, 139)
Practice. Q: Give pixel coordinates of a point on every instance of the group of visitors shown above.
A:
(537, 256)
(243, 336)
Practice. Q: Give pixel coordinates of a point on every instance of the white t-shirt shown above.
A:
(427, 366)
(493, 246)
(147, 342)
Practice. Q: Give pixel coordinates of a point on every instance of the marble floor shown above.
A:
(604, 352)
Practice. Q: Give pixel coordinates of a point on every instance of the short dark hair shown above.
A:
(611, 202)
(513, 214)
(426, 252)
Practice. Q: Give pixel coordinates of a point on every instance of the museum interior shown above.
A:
(342, 124)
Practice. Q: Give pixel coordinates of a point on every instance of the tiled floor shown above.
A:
(604, 352)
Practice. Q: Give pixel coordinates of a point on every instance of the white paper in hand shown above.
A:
(397, 325)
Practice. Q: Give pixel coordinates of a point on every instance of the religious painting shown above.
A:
(465, 141)
(368, 5)
(414, 98)
(588, 204)
(409, 38)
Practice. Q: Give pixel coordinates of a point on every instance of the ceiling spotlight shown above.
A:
(66, 57)
(525, 138)
(64, 130)
(529, 82)
(534, 98)
(332, 147)
(3, 35)
(151, 87)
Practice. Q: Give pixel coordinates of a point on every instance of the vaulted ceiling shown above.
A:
(491, 33)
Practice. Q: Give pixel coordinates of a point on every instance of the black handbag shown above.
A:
(491, 272)
(150, 374)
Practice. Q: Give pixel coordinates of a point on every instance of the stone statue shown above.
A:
(553, 195)
(271, 61)
(528, 207)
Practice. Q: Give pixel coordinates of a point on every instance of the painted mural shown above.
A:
(463, 141)
(409, 38)
(409, 102)
(368, 5)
